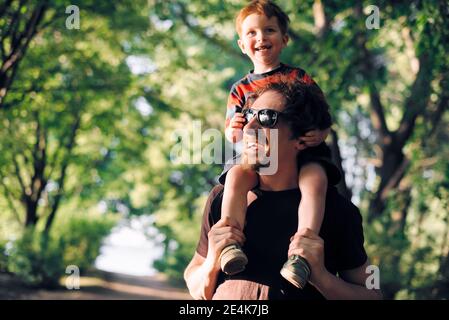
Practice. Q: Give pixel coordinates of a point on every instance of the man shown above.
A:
(270, 229)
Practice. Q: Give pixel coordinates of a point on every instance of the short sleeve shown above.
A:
(351, 253)
(207, 221)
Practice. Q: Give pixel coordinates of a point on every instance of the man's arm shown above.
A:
(201, 274)
(350, 286)
(201, 278)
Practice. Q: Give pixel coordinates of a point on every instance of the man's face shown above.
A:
(259, 143)
(262, 40)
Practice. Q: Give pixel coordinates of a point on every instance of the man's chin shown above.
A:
(253, 162)
(251, 166)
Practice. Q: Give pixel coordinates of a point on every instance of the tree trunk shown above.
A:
(14, 40)
(337, 159)
(61, 181)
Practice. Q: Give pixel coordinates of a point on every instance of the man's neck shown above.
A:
(284, 179)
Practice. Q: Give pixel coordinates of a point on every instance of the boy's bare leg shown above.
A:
(239, 181)
(313, 185)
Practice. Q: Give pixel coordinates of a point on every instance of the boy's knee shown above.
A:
(239, 176)
(313, 176)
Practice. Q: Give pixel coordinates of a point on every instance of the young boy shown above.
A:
(262, 28)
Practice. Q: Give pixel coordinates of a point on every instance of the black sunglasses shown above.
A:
(267, 118)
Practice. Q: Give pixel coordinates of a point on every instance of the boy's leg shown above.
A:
(239, 182)
(313, 185)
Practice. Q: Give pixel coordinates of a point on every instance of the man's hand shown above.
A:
(315, 137)
(234, 131)
(222, 234)
(310, 246)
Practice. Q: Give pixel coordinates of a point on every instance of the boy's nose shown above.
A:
(260, 37)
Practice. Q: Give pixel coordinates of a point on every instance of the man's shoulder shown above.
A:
(341, 206)
(216, 191)
(213, 204)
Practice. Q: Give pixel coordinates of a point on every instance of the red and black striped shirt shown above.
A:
(252, 82)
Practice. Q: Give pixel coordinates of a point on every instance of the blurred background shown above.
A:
(88, 112)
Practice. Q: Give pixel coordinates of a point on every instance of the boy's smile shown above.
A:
(262, 40)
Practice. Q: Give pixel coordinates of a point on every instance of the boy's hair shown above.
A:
(305, 105)
(263, 7)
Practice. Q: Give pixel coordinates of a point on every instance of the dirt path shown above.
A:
(101, 286)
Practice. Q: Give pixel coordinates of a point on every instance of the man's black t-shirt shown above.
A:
(270, 222)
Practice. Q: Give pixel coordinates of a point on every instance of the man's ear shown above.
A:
(300, 145)
(241, 45)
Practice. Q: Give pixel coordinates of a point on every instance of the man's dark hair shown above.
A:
(305, 106)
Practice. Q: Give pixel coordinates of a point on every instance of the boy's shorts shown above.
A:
(320, 154)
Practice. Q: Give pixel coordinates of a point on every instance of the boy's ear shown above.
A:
(285, 39)
(241, 45)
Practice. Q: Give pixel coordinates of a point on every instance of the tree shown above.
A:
(19, 24)
(72, 84)
(384, 87)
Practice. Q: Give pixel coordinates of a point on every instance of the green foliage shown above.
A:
(40, 260)
(385, 249)
(3, 256)
(121, 155)
(198, 42)
(81, 239)
(181, 236)
(37, 259)
(174, 262)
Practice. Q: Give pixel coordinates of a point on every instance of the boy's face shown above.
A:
(263, 41)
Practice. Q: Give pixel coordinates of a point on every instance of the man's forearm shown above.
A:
(335, 288)
(201, 281)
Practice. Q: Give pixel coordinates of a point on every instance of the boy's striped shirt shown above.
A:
(252, 82)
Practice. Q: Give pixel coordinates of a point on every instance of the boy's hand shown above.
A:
(315, 137)
(237, 121)
(235, 132)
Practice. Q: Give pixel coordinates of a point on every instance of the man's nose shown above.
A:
(251, 125)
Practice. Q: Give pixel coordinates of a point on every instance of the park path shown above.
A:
(101, 286)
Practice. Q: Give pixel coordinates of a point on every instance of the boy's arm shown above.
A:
(234, 105)
(234, 130)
